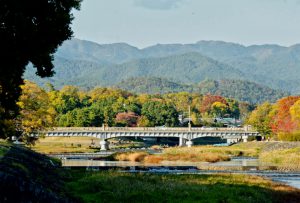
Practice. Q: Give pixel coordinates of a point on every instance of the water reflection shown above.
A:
(247, 165)
(86, 163)
(292, 181)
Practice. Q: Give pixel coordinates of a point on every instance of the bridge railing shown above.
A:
(143, 129)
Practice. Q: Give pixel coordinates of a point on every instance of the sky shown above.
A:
(143, 23)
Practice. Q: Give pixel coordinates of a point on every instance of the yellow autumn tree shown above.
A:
(219, 109)
(36, 111)
(295, 112)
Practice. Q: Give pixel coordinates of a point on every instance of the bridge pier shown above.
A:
(189, 143)
(103, 145)
(232, 140)
(181, 141)
(245, 138)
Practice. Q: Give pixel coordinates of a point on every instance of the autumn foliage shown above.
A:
(209, 100)
(282, 119)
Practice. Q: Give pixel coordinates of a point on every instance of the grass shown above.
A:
(283, 155)
(124, 187)
(157, 158)
(131, 156)
(37, 180)
(50, 145)
(209, 153)
(4, 147)
(283, 159)
(195, 154)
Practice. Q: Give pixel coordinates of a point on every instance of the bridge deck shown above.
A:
(148, 129)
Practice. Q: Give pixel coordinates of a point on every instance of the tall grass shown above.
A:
(131, 156)
(283, 159)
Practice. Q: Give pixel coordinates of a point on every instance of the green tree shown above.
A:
(30, 31)
(260, 118)
(67, 99)
(233, 108)
(159, 113)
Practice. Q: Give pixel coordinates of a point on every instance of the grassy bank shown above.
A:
(194, 154)
(50, 145)
(283, 155)
(288, 159)
(280, 155)
(27, 176)
(123, 187)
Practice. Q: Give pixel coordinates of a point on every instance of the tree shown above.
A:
(128, 119)
(30, 31)
(36, 112)
(219, 109)
(295, 112)
(233, 106)
(260, 118)
(67, 99)
(245, 109)
(282, 121)
(207, 102)
(159, 113)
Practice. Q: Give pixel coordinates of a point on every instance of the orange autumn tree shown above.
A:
(209, 100)
(283, 125)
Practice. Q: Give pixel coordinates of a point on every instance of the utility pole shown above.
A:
(189, 117)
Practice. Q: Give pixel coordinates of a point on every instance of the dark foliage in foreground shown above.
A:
(30, 31)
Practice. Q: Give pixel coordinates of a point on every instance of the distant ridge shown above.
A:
(270, 65)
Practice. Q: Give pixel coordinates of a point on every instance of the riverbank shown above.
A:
(29, 176)
(280, 155)
(277, 155)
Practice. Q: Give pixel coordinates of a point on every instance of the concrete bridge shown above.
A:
(185, 135)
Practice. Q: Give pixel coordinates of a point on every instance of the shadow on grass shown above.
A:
(119, 187)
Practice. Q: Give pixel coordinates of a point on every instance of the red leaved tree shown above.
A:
(127, 119)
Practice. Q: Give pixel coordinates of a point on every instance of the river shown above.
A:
(245, 165)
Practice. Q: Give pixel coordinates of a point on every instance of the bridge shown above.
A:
(185, 135)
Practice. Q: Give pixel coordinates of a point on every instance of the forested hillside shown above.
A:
(237, 89)
(154, 85)
(188, 68)
(241, 90)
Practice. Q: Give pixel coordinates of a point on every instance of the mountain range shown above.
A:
(88, 64)
(241, 90)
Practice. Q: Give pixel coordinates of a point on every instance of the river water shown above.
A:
(239, 165)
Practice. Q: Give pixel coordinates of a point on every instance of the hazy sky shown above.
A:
(147, 22)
